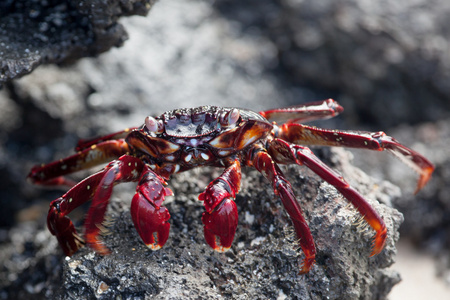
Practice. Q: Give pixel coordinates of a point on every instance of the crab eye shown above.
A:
(230, 118)
(153, 125)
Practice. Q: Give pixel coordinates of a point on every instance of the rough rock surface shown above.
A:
(262, 262)
(39, 32)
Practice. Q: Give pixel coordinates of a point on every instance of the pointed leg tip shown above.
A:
(306, 265)
(100, 248)
(168, 192)
(376, 249)
(93, 242)
(379, 242)
(424, 178)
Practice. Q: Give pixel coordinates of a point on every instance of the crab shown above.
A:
(228, 138)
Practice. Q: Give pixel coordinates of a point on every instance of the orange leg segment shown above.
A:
(287, 153)
(265, 164)
(379, 141)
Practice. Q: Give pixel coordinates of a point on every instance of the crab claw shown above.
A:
(150, 222)
(149, 218)
(220, 225)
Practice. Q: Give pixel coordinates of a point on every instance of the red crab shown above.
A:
(228, 138)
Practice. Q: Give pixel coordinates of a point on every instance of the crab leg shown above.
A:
(284, 152)
(125, 169)
(57, 221)
(221, 217)
(379, 141)
(149, 218)
(264, 163)
(304, 113)
(86, 143)
(98, 188)
(52, 173)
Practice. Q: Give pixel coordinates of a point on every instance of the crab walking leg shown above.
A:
(304, 113)
(284, 152)
(86, 143)
(125, 169)
(149, 218)
(221, 217)
(52, 173)
(264, 163)
(379, 141)
(57, 221)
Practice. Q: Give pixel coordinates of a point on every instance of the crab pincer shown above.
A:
(149, 218)
(221, 217)
(220, 225)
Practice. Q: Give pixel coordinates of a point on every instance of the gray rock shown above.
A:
(42, 32)
(370, 55)
(262, 262)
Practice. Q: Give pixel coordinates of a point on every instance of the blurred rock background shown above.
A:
(387, 62)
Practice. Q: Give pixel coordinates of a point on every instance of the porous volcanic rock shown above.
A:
(42, 32)
(262, 262)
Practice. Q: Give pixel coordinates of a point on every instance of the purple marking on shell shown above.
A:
(191, 122)
(198, 118)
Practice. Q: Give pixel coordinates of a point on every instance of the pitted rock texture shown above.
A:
(261, 264)
(40, 32)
